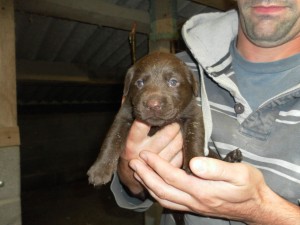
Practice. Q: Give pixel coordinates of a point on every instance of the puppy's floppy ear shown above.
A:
(194, 83)
(127, 81)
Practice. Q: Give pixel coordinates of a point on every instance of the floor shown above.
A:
(75, 204)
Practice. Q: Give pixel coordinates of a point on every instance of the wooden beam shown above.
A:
(89, 11)
(223, 5)
(8, 106)
(9, 136)
(65, 72)
(163, 25)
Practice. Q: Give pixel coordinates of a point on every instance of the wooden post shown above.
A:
(9, 133)
(10, 207)
(163, 25)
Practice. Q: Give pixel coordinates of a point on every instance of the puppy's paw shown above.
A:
(234, 156)
(100, 174)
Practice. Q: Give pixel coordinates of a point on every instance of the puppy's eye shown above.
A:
(173, 82)
(139, 83)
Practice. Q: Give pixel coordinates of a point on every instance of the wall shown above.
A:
(59, 147)
(10, 209)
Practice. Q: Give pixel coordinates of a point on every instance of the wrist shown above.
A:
(274, 210)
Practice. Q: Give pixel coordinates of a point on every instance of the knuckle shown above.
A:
(161, 194)
(171, 178)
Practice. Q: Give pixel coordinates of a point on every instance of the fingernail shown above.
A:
(199, 165)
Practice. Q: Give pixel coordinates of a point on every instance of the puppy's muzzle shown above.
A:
(153, 104)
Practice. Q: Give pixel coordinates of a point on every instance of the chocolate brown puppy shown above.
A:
(159, 89)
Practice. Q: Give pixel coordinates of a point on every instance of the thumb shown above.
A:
(214, 169)
(138, 131)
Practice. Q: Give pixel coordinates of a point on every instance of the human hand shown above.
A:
(235, 191)
(167, 143)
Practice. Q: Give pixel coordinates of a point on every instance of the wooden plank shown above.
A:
(9, 136)
(89, 11)
(65, 72)
(223, 5)
(8, 106)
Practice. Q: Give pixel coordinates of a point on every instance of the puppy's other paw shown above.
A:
(100, 174)
(234, 156)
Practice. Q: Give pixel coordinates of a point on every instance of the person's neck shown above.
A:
(254, 53)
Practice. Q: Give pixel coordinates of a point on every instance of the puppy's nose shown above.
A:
(154, 104)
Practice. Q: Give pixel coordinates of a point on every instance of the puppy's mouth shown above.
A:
(157, 119)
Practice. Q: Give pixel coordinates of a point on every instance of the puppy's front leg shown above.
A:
(105, 165)
(193, 130)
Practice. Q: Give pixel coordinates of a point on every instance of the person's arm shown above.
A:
(219, 189)
(167, 143)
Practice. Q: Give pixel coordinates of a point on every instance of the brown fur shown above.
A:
(159, 89)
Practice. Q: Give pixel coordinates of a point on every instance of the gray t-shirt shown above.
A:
(262, 81)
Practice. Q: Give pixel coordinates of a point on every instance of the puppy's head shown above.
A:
(159, 87)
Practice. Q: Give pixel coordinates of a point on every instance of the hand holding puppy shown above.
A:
(236, 191)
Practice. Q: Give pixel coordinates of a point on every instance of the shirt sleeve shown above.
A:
(124, 200)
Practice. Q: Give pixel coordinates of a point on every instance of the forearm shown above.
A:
(275, 210)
